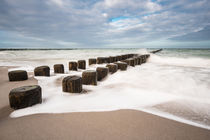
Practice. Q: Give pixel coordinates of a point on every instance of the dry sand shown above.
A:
(113, 125)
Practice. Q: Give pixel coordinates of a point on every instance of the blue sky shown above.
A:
(104, 23)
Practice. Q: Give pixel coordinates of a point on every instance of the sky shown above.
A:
(104, 23)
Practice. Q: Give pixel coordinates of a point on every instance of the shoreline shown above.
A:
(120, 124)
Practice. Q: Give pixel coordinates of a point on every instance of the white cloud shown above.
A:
(105, 15)
(130, 5)
(90, 22)
(112, 3)
(58, 2)
(125, 24)
(153, 6)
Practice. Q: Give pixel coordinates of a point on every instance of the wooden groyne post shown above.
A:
(156, 51)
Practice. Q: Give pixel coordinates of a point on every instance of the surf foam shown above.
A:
(161, 80)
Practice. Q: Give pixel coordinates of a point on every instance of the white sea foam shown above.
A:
(179, 61)
(161, 80)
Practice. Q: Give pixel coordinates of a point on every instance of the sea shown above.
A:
(174, 83)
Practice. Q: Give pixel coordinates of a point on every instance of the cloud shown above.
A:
(124, 23)
(58, 2)
(202, 35)
(101, 23)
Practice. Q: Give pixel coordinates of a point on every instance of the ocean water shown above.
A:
(174, 83)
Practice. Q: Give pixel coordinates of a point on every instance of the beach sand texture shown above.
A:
(112, 125)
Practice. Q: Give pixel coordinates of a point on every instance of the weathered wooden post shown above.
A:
(147, 55)
(112, 68)
(102, 72)
(72, 84)
(131, 55)
(106, 60)
(122, 65)
(115, 58)
(100, 60)
(111, 59)
(92, 61)
(125, 56)
(89, 77)
(119, 57)
(42, 71)
(135, 61)
(17, 75)
(139, 60)
(144, 58)
(135, 55)
(25, 96)
(82, 64)
(132, 62)
(73, 65)
(58, 68)
(125, 61)
(155, 51)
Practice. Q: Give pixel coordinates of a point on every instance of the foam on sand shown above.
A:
(182, 80)
(159, 81)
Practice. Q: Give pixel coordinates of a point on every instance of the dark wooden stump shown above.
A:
(146, 57)
(155, 51)
(111, 59)
(139, 60)
(58, 68)
(89, 77)
(125, 61)
(115, 59)
(135, 55)
(112, 68)
(119, 58)
(72, 84)
(73, 66)
(130, 55)
(25, 96)
(17, 75)
(124, 57)
(106, 60)
(102, 72)
(135, 61)
(132, 62)
(82, 64)
(92, 61)
(143, 59)
(101, 60)
(122, 65)
(42, 71)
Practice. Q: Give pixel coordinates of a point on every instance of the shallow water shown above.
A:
(174, 84)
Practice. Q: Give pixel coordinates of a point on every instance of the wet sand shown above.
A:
(113, 125)
(194, 111)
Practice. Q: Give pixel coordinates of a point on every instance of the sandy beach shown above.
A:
(105, 70)
(122, 124)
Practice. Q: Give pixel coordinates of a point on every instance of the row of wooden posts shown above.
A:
(29, 95)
